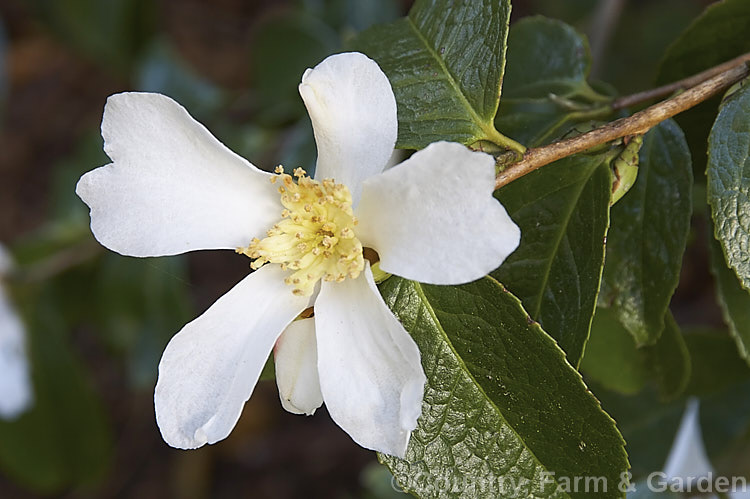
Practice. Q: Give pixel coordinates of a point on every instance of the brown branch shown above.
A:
(638, 123)
(655, 93)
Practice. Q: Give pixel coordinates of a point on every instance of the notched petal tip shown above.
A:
(433, 218)
(171, 187)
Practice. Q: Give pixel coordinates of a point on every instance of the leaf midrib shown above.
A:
(558, 242)
(462, 365)
(483, 125)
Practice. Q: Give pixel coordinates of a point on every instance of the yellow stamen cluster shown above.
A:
(315, 237)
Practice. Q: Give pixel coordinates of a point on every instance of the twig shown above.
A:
(638, 123)
(663, 91)
(57, 263)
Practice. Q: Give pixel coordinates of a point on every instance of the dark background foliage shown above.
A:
(98, 322)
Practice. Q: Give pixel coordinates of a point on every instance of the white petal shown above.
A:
(172, 187)
(688, 456)
(433, 218)
(370, 371)
(15, 381)
(296, 357)
(353, 112)
(209, 369)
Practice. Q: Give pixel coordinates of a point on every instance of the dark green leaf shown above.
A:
(715, 364)
(733, 299)
(669, 361)
(718, 35)
(545, 56)
(501, 402)
(613, 360)
(729, 181)
(533, 122)
(725, 421)
(64, 440)
(445, 62)
(718, 376)
(611, 357)
(545, 85)
(648, 235)
(563, 212)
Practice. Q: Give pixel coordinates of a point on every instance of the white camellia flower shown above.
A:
(687, 461)
(15, 380)
(172, 187)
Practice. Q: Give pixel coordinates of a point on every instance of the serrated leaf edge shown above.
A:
(559, 351)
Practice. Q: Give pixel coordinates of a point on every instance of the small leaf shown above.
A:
(733, 299)
(729, 181)
(669, 361)
(725, 421)
(533, 122)
(648, 235)
(545, 56)
(563, 212)
(717, 35)
(545, 86)
(613, 360)
(501, 406)
(717, 376)
(445, 62)
(611, 357)
(714, 360)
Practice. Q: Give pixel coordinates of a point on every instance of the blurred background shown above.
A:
(98, 322)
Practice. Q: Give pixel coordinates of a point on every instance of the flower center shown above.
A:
(315, 237)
